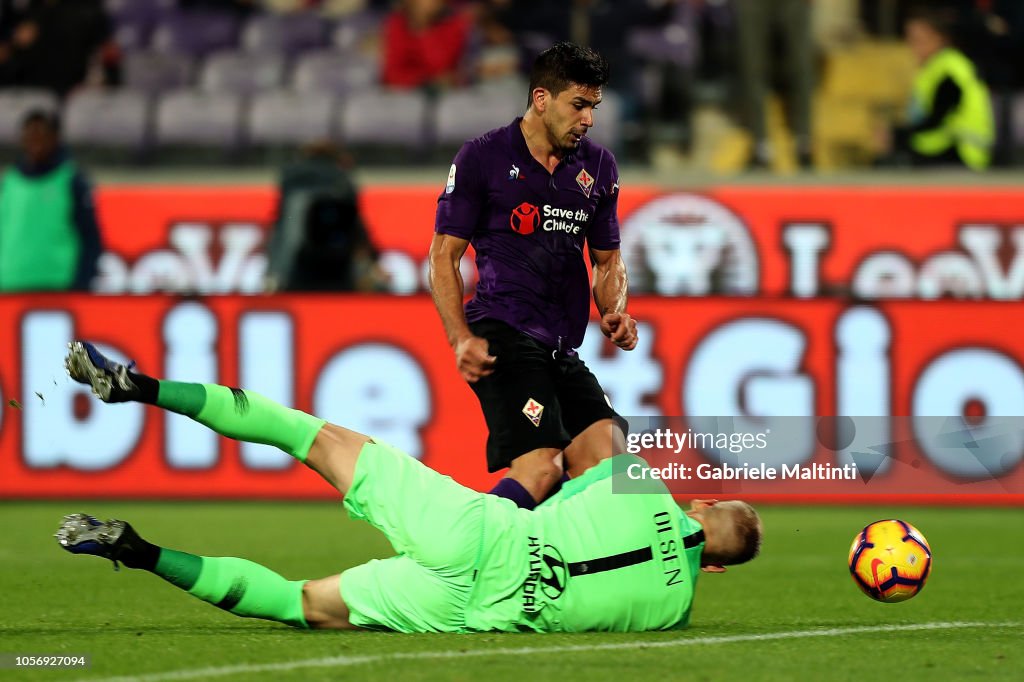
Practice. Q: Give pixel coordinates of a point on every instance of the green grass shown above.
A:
(133, 624)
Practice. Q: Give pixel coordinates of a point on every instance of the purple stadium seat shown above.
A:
(155, 72)
(199, 119)
(677, 42)
(350, 32)
(285, 117)
(464, 114)
(134, 20)
(15, 103)
(131, 37)
(196, 33)
(384, 117)
(242, 72)
(335, 72)
(107, 118)
(290, 34)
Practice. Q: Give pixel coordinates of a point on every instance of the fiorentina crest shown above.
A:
(586, 181)
(533, 410)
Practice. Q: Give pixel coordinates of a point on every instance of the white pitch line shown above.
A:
(348, 661)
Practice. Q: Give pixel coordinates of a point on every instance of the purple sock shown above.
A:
(511, 489)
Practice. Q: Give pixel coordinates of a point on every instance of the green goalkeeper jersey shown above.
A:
(588, 559)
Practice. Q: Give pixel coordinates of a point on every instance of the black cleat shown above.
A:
(113, 539)
(110, 381)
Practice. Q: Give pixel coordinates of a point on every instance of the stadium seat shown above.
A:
(107, 118)
(15, 103)
(335, 72)
(350, 34)
(284, 117)
(191, 118)
(196, 33)
(677, 42)
(242, 72)
(155, 72)
(287, 34)
(464, 114)
(392, 118)
(136, 19)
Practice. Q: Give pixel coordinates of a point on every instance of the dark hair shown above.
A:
(939, 19)
(45, 117)
(564, 64)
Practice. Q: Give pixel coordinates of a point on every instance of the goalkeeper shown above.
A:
(585, 560)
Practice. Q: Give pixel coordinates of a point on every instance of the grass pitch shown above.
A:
(793, 614)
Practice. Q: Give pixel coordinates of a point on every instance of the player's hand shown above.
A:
(621, 329)
(473, 358)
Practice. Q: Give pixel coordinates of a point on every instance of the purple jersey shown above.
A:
(528, 228)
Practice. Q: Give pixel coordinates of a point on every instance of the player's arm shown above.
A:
(610, 295)
(448, 290)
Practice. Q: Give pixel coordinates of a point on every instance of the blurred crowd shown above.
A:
(727, 84)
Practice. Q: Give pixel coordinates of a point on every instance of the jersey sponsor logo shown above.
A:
(585, 180)
(450, 187)
(525, 218)
(533, 411)
(547, 577)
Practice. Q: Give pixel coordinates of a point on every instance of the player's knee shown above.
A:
(323, 607)
(541, 465)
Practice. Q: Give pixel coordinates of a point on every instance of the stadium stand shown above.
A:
(287, 34)
(193, 118)
(116, 119)
(306, 62)
(383, 118)
(243, 73)
(285, 117)
(335, 72)
(197, 33)
(155, 72)
(466, 113)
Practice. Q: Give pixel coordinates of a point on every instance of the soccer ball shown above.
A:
(890, 560)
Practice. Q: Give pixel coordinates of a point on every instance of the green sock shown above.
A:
(242, 415)
(242, 587)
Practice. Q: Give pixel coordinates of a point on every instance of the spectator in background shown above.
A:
(425, 43)
(240, 7)
(54, 44)
(496, 63)
(49, 236)
(991, 33)
(950, 116)
(319, 242)
(758, 23)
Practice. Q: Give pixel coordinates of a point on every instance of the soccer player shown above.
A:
(467, 562)
(527, 197)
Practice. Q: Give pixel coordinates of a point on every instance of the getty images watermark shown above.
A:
(667, 440)
(822, 455)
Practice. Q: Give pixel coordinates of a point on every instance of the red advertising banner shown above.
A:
(380, 365)
(875, 243)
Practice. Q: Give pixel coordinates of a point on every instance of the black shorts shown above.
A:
(535, 398)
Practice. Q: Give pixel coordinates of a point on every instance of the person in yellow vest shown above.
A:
(49, 236)
(950, 118)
